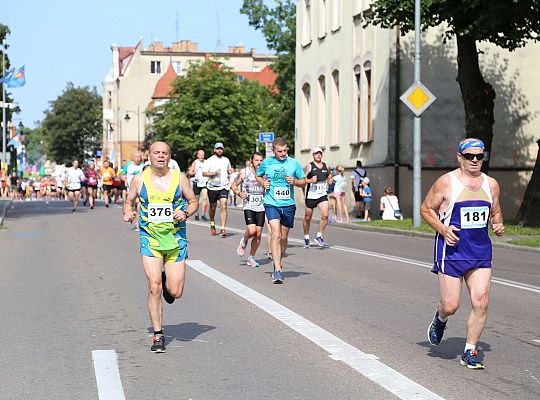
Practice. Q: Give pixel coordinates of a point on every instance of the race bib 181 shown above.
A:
(160, 212)
(282, 193)
(474, 217)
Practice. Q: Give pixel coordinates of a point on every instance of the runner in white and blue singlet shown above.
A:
(460, 206)
(279, 175)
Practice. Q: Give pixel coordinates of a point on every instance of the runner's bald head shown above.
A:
(155, 145)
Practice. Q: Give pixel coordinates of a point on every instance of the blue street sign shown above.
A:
(266, 137)
(98, 153)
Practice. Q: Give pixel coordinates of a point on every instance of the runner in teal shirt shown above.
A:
(279, 175)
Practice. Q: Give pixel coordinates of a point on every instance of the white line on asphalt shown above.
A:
(536, 340)
(107, 375)
(367, 364)
(501, 281)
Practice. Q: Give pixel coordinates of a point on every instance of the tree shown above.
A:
(35, 147)
(509, 25)
(278, 26)
(211, 105)
(72, 128)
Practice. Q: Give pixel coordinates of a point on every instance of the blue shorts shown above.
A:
(457, 269)
(284, 214)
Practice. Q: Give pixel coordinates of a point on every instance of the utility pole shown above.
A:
(4, 158)
(417, 132)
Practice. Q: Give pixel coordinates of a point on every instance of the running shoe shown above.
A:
(470, 360)
(222, 233)
(277, 277)
(269, 255)
(204, 217)
(436, 329)
(241, 249)
(166, 295)
(306, 244)
(213, 230)
(73, 210)
(320, 241)
(196, 217)
(251, 262)
(158, 344)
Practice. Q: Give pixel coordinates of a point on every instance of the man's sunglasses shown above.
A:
(471, 156)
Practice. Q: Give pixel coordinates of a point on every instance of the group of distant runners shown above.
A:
(460, 206)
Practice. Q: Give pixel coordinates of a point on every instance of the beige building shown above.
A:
(348, 83)
(131, 86)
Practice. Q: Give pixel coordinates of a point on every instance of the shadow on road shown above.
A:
(184, 332)
(22, 209)
(451, 348)
(291, 274)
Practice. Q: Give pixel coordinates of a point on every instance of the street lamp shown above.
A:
(127, 118)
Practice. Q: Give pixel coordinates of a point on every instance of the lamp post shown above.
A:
(127, 118)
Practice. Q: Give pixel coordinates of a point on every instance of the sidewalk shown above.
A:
(357, 224)
(4, 205)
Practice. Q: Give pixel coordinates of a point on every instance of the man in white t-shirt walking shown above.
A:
(74, 177)
(217, 168)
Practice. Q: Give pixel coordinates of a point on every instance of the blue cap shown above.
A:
(471, 143)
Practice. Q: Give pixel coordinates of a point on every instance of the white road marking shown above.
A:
(367, 364)
(536, 340)
(505, 282)
(107, 375)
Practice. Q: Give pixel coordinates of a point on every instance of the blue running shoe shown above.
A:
(436, 329)
(277, 277)
(306, 244)
(320, 241)
(470, 360)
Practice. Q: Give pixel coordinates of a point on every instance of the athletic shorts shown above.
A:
(313, 203)
(357, 196)
(74, 190)
(197, 189)
(254, 217)
(107, 188)
(367, 205)
(214, 195)
(284, 214)
(168, 256)
(457, 269)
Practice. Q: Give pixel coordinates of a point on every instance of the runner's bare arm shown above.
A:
(187, 192)
(497, 221)
(238, 181)
(430, 208)
(265, 183)
(191, 171)
(127, 207)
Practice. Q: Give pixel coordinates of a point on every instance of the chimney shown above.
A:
(115, 61)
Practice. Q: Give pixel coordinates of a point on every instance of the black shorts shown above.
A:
(197, 189)
(107, 188)
(73, 190)
(357, 196)
(313, 203)
(254, 217)
(214, 195)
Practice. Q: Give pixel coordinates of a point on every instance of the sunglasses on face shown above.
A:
(471, 156)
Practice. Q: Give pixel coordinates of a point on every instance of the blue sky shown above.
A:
(69, 40)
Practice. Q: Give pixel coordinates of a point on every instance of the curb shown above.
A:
(4, 205)
(358, 227)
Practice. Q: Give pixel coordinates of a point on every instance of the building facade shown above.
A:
(139, 77)
(348, 83)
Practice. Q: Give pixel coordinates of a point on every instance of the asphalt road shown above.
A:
(349, 322)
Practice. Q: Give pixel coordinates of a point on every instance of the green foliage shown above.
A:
(211, 105)
(508, 24)
(35, 146)
(72, 128)
(278, 26)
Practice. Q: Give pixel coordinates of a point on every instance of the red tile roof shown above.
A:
(164, 85)
(266, 77)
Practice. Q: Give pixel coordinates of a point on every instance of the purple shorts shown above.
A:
(457, 269)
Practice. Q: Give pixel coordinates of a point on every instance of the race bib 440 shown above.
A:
(160, 212)
(474, 217)
(282, 193)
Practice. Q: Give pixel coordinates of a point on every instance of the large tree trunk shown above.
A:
(478, 95)
(528, 214)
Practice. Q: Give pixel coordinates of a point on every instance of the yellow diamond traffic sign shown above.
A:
(417, 98)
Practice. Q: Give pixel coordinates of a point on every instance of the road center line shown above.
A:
(367, 364)
(107, 375)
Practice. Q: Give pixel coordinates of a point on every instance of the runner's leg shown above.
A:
(176, 274)
(275, 243)
(478, 282)
(152, 269)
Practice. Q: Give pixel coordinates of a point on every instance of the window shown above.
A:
(336, 15)
(109, 133)
(364, 129)
(305, 118)
(335, 110)
(322, 19)
(155, 67)
(177, 66)
(321, 112)
(306, 22)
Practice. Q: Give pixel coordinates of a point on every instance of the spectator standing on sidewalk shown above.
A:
(368, 198)
(357, 176)
(340, 188)
(389, 206)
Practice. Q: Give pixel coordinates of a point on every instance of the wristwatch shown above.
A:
(187, 214)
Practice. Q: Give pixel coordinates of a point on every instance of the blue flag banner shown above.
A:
(15, 77)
